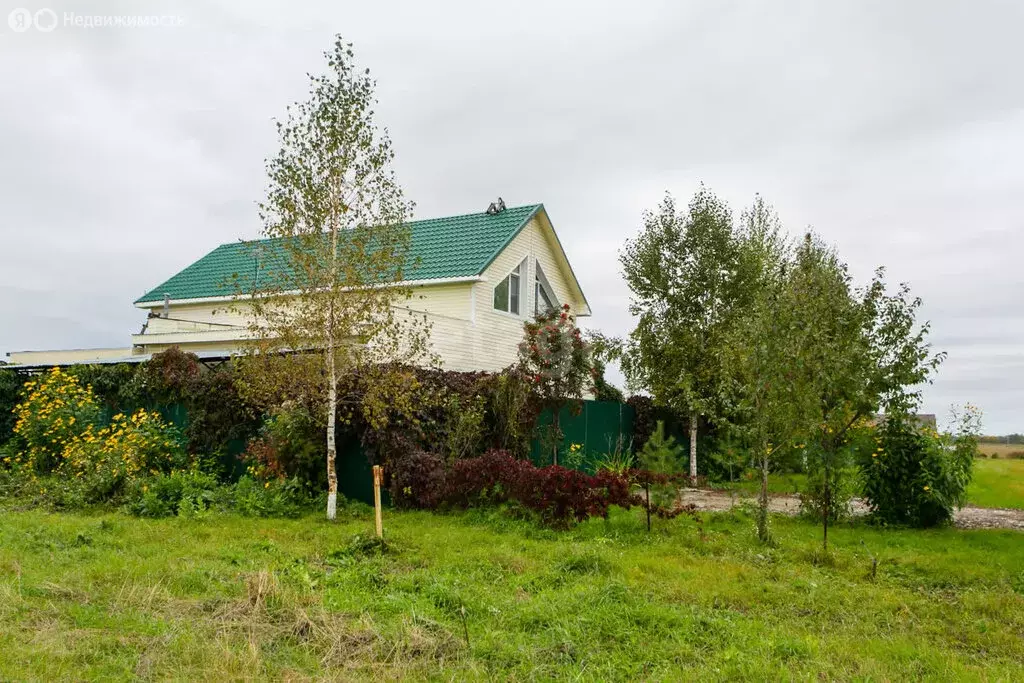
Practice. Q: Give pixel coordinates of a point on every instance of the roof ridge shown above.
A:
(475, 214)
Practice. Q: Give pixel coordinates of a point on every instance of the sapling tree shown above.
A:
(662, 455)
(326, 292)
(836, 366)
(556, 361)
(769, 350)
(868, 354)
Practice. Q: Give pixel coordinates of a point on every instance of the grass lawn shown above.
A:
(112, 597)
(997, 484)
(778, 482)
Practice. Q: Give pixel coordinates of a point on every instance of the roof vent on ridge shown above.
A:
(496, 207)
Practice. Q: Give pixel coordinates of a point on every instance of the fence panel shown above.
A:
(601, 427)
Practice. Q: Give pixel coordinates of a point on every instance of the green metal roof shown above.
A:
(456, 246)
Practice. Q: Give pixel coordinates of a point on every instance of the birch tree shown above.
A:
(682, 272)
(326, 289)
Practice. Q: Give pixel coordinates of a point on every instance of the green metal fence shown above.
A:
(600, 428)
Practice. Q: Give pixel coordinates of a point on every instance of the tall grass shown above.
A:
(482, 596)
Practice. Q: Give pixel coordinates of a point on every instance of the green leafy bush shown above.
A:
(217, 411)
(916, 476)
(290, 444)
(464, 426)
(115, 385)
(185, 492)
(11, 383)
(274, 498)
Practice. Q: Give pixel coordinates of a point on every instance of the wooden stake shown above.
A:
(378, 479)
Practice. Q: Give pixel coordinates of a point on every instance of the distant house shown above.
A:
(479, 277)
(920, 419)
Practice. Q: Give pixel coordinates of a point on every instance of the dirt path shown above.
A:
(966, 518)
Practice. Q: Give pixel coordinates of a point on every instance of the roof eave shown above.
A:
(230, 298)
(585, 310)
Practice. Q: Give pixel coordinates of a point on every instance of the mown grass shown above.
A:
(997, 484)
(480, 596)
(778, 482)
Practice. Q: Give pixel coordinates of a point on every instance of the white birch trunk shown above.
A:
(693, 447)
(332, 377)
(332, 407)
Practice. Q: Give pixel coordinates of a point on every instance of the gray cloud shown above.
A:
(895, 129)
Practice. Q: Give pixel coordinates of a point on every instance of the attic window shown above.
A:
(544, 297)
(509, 292)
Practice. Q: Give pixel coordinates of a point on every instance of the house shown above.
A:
(478, 278)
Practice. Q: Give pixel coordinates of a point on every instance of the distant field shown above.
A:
(1001, 450)
(997, 484)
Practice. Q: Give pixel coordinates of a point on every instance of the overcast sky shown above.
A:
(895, 129)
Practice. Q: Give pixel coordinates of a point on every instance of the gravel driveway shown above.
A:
(969, 517)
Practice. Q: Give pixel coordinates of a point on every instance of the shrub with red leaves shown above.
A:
(487, 478)
(557, 494)
(418, 481)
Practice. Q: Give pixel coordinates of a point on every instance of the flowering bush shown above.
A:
(56, 411)
(107, 458)
(917, 476)
(556, 360)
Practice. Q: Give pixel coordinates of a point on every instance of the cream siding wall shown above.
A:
(449, 313)
(496, 343)
(218, 314)
(68, 356)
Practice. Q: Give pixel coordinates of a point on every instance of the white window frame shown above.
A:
(519, 273)
(541, 284)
